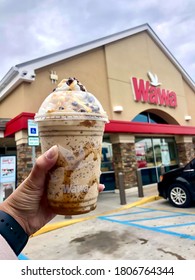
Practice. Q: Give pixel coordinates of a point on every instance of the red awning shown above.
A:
(20, 122)
(148, 128)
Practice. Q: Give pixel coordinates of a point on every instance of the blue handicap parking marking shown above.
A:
(33, 130)
(156, 220)
(22, 257)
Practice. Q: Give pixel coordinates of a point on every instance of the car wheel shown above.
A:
(179, 196)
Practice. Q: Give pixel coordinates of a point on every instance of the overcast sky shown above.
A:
(34, 28)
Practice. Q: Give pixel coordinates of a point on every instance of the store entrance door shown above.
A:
(107, 171)
(108, 179)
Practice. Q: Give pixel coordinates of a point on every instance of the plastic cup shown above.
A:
(73, 183)
(74, 121)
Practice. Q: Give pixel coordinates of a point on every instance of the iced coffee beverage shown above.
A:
(74, 120)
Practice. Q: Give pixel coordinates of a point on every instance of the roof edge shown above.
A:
(57, 56)
(17, 74)
(171, 57)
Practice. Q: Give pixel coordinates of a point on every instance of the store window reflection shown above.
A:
(152, 153)
(144, 152)
(147, 117)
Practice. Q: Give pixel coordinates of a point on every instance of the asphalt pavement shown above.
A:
(108, 203)
(45, 243)
(144, 228)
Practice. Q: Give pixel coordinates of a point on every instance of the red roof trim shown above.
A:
(115, 126)
(20, 122)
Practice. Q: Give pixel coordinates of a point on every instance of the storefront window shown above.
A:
(144, 152)
(152, 153)
(165, 151)
(147, 117)
(155, 152)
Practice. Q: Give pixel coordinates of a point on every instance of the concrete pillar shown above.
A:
(124, 160)
(185, 148)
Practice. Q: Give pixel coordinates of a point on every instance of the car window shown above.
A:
(190, 165)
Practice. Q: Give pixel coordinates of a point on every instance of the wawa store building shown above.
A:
(146, 93)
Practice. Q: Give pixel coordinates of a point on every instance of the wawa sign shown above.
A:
(151, 92)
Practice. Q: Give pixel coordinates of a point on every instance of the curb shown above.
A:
(54, 226)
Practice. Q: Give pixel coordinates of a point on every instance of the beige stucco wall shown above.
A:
(11, 105)
(106, 72)
(134, 57)
(89, 68)
(190, 99)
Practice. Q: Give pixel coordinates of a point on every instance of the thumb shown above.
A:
(43, 164)
(28, 194)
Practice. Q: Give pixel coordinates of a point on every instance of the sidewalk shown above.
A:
(108, 201)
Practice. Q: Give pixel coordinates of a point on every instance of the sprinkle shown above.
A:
(74, 103)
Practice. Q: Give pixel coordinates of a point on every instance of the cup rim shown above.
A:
(70, 116)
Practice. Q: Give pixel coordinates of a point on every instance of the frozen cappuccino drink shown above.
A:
(74, 120)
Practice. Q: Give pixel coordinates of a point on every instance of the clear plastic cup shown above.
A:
(73, 182)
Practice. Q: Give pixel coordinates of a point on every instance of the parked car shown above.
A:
(178, 185)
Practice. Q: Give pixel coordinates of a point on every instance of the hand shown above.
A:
(28, 203)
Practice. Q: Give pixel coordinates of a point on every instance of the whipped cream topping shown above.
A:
(70, 97)
(70, 84)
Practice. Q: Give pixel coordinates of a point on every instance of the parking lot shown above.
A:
(158, 221)
(154, 230)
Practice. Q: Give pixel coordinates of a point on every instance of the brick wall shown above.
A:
(124, 161)
(185, 152)
(24, 161)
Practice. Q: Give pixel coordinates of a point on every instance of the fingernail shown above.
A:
(51, 153)
(102, 187)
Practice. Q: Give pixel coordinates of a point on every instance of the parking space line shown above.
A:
(159, 229)
(136, 212)
(53, 226)
(178, 225)
(156, 218)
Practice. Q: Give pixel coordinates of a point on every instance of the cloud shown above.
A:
(33, 28)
